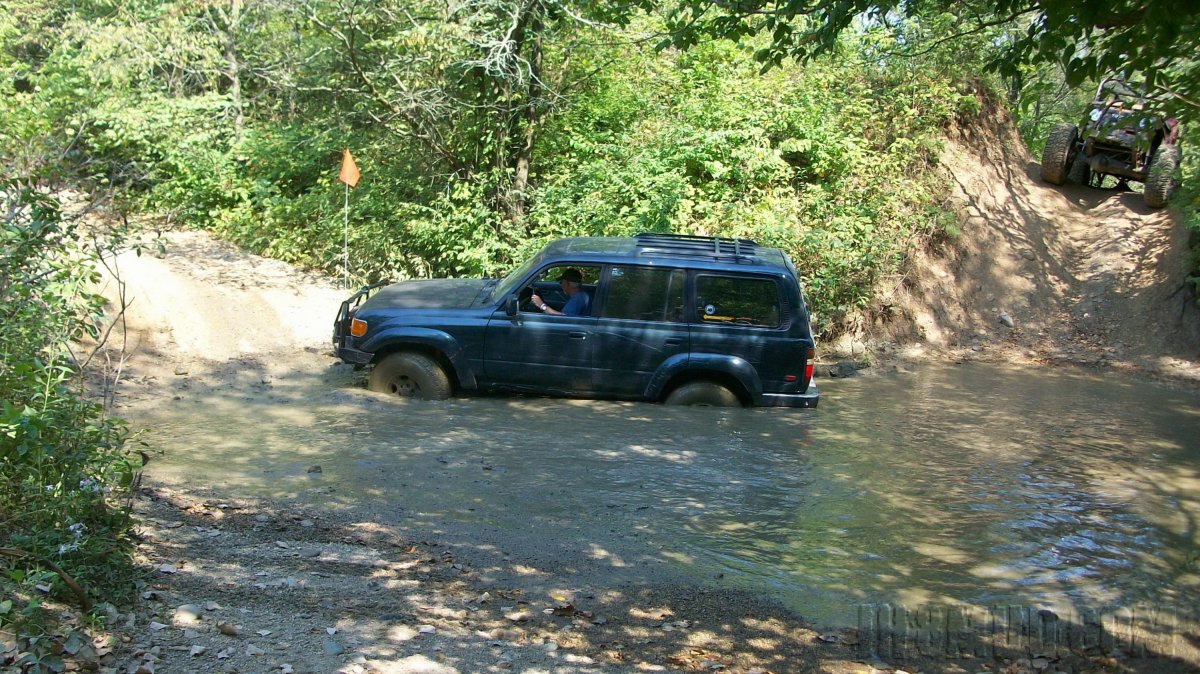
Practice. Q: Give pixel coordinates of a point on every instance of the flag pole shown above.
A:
(348, 175)
(346, 240)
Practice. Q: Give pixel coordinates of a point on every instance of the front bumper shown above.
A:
(341, 326)
(807, 399)
(354, 355)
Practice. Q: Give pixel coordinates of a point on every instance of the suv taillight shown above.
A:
(809, 356)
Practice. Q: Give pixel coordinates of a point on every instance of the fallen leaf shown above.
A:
(253, 650)
(197, 650)
(286, 669)
(263, 633)
(167, 568)
(223, 655)
(157, 626)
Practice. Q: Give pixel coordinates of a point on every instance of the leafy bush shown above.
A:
(832, 163)
(63, 461)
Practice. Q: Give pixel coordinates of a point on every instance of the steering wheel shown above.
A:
(524, 300)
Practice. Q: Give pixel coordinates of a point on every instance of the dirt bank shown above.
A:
(1043, 274)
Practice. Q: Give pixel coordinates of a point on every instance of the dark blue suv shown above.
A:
(687, 320)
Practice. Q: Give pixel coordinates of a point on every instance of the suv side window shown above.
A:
(548, 285)
(645, 294)
(738, 300)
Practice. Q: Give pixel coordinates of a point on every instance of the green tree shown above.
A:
(1152, 39)
(472, 84)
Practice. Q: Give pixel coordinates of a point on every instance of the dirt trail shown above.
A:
(1083, 276)
(205, 300)
(1048, 274)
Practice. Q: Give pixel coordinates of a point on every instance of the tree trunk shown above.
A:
(1015, 84)
(532, 117)
(234, 68)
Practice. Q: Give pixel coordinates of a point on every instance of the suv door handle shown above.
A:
(577, 334)
(673, 341)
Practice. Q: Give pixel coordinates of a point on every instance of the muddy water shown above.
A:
(968, 483)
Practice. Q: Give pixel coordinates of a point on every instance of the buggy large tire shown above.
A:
(1081, 172)
(410, 375)
(703, 393)
(1056, 158)
(1162, 178)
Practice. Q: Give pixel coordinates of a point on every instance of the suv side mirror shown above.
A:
(511, 305)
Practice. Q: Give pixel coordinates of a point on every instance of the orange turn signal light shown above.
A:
(358, 328)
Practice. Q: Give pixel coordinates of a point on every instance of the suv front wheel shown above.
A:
(410, 375)
(704, 393)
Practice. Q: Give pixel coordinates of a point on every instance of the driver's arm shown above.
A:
(542, 306)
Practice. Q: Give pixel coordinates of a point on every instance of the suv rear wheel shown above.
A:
(1057, 155)
(704, 393)
(410, 375)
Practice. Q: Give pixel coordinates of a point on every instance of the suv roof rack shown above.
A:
(689, 245)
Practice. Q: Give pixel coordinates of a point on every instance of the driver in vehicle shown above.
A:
(571, 282)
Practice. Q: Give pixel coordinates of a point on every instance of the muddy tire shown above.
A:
(703, 393)
(1056, 158)
(410, 375)
(1162, 178)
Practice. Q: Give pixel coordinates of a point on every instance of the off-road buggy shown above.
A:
(1120, 136)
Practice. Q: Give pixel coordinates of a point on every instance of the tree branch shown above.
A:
(85, 602)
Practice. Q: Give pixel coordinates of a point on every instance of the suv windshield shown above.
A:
(509, 284)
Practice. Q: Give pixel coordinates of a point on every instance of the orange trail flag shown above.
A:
(349, 173)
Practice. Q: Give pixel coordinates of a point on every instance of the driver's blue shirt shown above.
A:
(578, 304)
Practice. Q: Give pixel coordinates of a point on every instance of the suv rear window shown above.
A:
(645, 294)
(738, 300)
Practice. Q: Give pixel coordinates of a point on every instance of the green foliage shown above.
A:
(1154, 40)
(1187, 202)
(480, 139)
(63, 461)
(832, 162)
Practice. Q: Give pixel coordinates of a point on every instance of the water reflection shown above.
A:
(974, 483)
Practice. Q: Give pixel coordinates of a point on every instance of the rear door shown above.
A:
(641, 323)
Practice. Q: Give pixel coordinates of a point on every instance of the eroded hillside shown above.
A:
(1042, 273)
